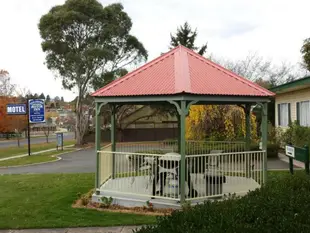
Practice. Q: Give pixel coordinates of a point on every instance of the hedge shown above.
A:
(282, 205)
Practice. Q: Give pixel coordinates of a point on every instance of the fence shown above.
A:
(192, 147)
(206, 175)
(223, 173)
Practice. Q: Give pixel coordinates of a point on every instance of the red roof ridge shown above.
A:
(181, 71)
(174, 77)
(135, 72)
(228, 72)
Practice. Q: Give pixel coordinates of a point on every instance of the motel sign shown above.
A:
(16, 109)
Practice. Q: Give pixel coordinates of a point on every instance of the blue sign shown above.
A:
(59, 139)
(36, 110)
(16, 109)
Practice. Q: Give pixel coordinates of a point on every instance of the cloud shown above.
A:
(235, 29)
(273, 28)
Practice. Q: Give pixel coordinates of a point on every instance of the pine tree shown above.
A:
(186, 36)
(48, 99)
(41, 96)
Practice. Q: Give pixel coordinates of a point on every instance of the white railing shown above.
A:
(158, 176)
(223, 173)
(141, 175)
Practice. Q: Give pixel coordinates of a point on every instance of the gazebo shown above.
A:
(181, 78)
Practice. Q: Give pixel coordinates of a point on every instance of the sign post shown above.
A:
(36, 110)
(298, 153)
(18, 109)
(60, 140)
(290, 152)
(36, 114)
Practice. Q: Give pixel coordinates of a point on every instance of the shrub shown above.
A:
(297, 135)
(202, 148)
(106, 202)
(85, 198)
(282, 205)
(272, 149)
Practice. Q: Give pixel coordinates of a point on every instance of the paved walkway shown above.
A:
(296, 163)
(33, 153)
(121, 229)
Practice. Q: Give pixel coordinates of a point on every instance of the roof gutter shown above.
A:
(295, 83)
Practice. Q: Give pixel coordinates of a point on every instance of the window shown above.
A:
(283, 114)
(304, 113)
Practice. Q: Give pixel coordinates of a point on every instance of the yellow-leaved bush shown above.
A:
(218, 122)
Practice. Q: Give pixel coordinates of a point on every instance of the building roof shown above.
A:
(292, 86)
(181, 70)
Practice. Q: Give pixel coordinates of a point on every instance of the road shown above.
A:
(84, 161)
(34, 140)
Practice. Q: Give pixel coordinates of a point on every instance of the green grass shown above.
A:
(44, 200)
(21, 138)
(12, 151)
(39, 158)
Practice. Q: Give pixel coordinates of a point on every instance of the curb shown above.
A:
(283, 169)
(58, 156)
(111, 229)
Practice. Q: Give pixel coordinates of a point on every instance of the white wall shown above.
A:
(292, 98)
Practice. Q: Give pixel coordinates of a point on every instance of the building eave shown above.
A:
(292, 86)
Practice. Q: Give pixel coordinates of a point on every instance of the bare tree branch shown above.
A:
(6, 87)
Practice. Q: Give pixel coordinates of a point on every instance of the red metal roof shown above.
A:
(181, 70)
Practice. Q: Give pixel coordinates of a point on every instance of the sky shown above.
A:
(275, 29)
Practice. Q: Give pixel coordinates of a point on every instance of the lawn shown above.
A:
(44, 200)
(11, 151)
(38, 158)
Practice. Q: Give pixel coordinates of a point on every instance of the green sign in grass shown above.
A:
(299, 154)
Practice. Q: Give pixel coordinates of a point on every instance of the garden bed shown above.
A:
(126, 210)
(84, 201)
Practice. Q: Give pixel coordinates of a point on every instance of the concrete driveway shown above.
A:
(84, 161)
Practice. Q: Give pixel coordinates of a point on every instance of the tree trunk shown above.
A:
(82, 122)
(78, 130)
(18, 141)
(79, 136)
(120, 135)
(47, 139)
